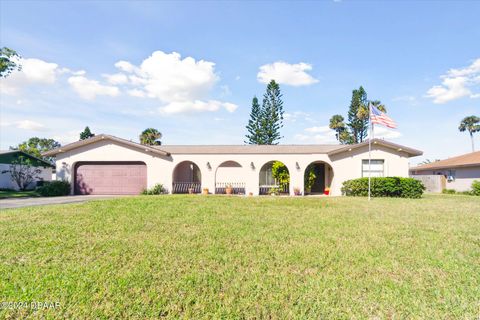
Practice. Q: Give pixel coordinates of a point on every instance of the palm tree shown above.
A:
(470, 124)
(150, 137)
(338, 125)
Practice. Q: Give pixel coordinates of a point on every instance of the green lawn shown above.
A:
(17, 194)
(244, 257)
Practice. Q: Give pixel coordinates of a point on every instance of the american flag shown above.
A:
(378, 117)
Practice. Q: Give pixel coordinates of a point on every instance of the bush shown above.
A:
(476, 188)
(54, 188)
(449, 191)
(384, 187)
(156, 189)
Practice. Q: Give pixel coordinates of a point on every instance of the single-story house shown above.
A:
(105, 164)
(10, 156)
(459, 172)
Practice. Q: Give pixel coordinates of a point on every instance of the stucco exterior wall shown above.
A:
(160, 169)
(463, 177)
(6, 179)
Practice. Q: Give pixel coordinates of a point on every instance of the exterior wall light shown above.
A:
(209, 166)
(252, 166)
(297, 166)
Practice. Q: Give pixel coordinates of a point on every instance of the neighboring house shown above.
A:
(7, 157)
(459, 172)
(106, 164)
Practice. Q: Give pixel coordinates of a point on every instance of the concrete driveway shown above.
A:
(28, 202)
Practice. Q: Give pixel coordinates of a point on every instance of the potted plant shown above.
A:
(191, 190)
(273, 191)
(229, 189)
(296, 191)
(205, 191)
(326, 191)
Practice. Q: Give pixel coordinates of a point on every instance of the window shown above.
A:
(376, 168)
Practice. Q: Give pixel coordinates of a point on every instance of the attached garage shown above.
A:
(110, 177)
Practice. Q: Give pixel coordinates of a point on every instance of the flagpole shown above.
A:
(369, 151)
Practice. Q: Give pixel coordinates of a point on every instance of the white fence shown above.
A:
(432, 183)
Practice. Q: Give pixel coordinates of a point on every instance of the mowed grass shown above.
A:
(244, 257)
(4, 194)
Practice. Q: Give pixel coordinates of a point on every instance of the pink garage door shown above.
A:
(110, 177)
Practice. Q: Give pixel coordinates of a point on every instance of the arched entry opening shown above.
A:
(274, 178)
(229, 178)
(318, 178)
(187, 178)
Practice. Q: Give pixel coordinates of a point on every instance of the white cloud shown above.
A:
(182, 85)
(385, 133)
(457, 83)
(89, 89)
(34, 71)
(136, 93)
(30, 125)
(285, 73)
(116, 79)
(320, 129)
(298, 115)
(126, 66)
(196, 106)
(170, 78)
(320, 134)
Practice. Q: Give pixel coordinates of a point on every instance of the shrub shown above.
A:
(449, 191)
(476, 188)
(156, 189)
(54, 188)
(384, 187)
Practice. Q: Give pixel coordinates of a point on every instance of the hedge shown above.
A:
(54, 188)
(384, 187)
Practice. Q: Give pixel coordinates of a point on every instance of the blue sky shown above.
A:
(190, 69)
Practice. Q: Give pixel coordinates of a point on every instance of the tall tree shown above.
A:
(36, 146)
(150, 136)
(358, 125)
(356, 129)
(337, 123)
(254, 126)
(472, 125)
(272, 113)
(8, 61)
(86, 133)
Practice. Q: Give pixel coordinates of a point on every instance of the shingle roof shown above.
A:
(249, 149)
(410, 151)
(7, 156)
(99, 137)
(167, 150)
(465, 160)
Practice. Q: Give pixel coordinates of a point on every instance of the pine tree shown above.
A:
(254, 135)
(86, 133)
(272, 114)
(358, 125)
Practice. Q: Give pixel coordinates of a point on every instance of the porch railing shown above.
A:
(238, 187)
(183, 187)
(266, 189)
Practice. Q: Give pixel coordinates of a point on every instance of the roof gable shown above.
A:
(464, 160)
(397, 147)
(103, 137)
(6, 157)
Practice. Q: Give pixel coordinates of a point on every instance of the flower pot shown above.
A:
(326, 192)
(205, 191)
(229, 190)
(190, 190)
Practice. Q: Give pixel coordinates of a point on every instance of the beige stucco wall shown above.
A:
(160, 169)
(463, 177)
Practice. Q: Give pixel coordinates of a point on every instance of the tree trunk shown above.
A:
(473, 145)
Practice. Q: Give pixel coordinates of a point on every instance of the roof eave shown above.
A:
(99, 137)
